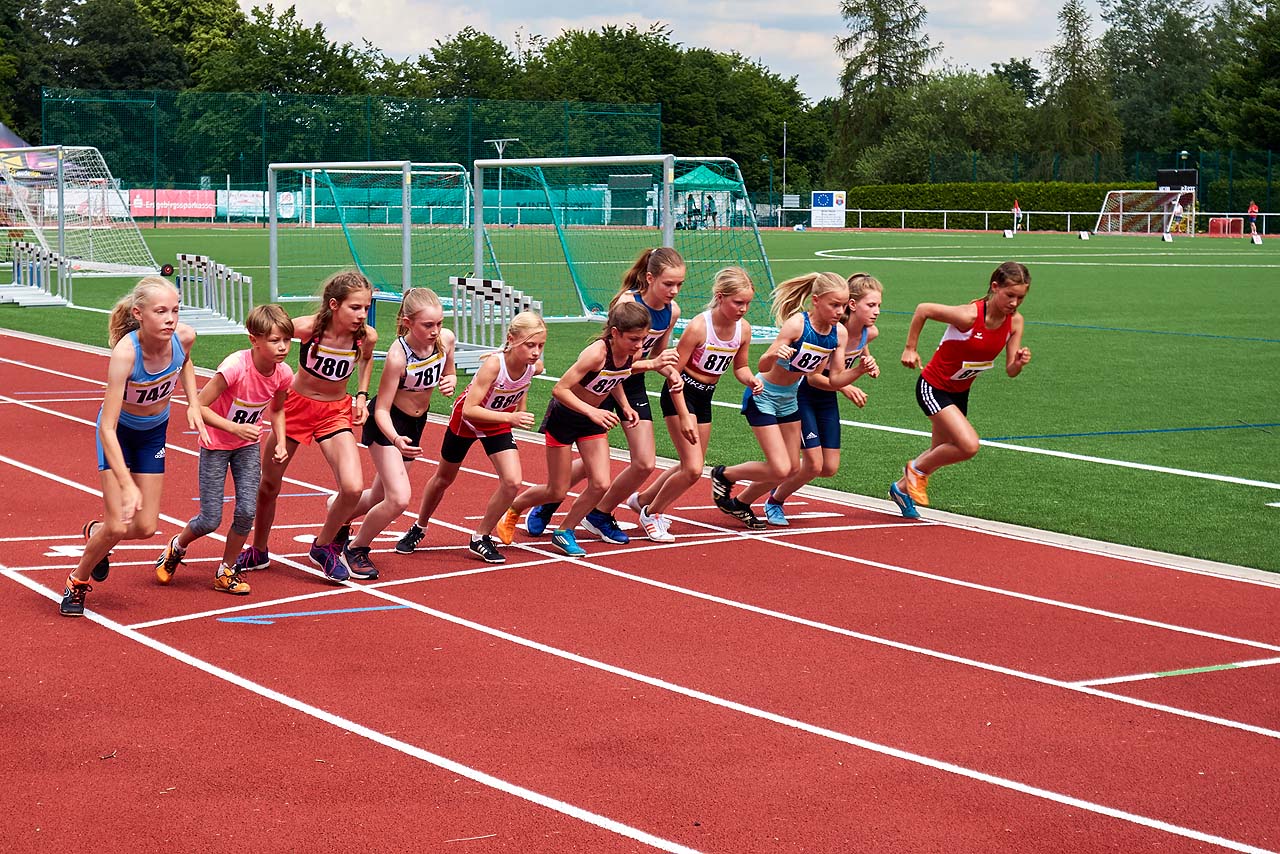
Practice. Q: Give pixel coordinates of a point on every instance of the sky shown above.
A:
(794, 38)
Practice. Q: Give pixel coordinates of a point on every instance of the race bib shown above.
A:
(244, 412)
(969, 370)
(809, 358)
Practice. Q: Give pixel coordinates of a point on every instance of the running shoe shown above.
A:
(566, 542)
(633, 503)
(359, 564)
(410, 540)
(103, 567)
(73, 598)
(329, 559)
(228, 580)
(904, 502)
(539, 518)
(917, 485)
(169, 561)
(506, 529)
(252, 558)
(604, 526)
(483, 548)
(774, 514)
(720, 485)
(654, 528)
(743, 513)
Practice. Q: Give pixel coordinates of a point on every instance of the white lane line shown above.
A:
(374, 736)
(1185, 671)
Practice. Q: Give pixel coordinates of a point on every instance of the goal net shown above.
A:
(1147, 212)
(565, 230)
(65, 199)
(402, 224)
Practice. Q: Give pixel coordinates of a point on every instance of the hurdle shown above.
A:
(40, 277)
(215, 298)
(482, 310)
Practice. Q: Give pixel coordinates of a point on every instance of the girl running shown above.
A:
(819, 407)
(653, 282)
(233, 405)
(150, 357)
(806, 341)
(336, 343)
(975, 335)
(577, 415)
(494, 403)
(419, 360)
(716, 341)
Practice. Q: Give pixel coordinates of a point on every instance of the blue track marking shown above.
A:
(268, 619)
(1134, 432)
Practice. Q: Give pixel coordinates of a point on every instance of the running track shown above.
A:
(854, 683)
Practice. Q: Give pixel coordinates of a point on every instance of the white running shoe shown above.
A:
(655, 527)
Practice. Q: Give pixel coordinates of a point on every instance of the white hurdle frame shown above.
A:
(40, 277)
(215, 298)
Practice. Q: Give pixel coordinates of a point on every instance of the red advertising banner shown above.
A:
(187, 204)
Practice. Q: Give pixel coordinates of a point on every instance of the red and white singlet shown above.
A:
(961, 356)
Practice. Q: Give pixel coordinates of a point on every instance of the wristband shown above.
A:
(365, 393)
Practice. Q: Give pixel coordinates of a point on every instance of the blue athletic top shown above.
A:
(812, 349)
(144, 387)
(659, 323)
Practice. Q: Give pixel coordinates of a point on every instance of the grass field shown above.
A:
(1148, 415)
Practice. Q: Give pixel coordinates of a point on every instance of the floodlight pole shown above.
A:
(768, 160)
(784, 158)
(501, 145)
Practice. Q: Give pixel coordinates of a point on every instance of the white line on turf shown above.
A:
(1139, 677)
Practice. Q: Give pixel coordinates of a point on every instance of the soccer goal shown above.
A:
(65, 199)
(566, 229)
(1147, 212)
(400, 223)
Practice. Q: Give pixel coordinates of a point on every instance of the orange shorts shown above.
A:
(308, 420)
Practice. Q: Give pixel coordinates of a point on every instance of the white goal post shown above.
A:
(65, 199)
(1147, 212)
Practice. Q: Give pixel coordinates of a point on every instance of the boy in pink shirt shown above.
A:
(249, 386)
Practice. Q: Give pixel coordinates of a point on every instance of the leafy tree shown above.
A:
(1243, 100)
(111, 46)
(1077, 116)
(1155, 56)
(1021, 76)
(196, 27)
(471, 64)
(280, 54)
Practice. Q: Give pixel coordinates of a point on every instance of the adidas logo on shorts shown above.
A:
(160, 454)
(811, 435)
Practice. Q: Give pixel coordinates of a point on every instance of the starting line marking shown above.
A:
(1186, 671)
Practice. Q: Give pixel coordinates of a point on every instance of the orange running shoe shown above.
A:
(506, 529)
(917, 486)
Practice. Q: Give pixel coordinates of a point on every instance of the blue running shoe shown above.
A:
(604, 526)
(566, 542)
(904, 502)
(774, 515)
(539, 518)
(329, 559)
(251, 559)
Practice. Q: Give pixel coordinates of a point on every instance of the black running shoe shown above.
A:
(410, 540)
(720, 486)
(359, 564)
(483, 548)
(102, 568)
(73, 598)
(743, 513)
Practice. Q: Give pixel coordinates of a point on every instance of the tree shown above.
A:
(885, 50)
(1077, 116)
(111, 46)
(280, 54)
(197, 27)
(1155, 57)
(1021, 76)
(471, 64)
(1243, 100)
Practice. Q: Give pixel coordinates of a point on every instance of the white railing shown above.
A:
(992, 220)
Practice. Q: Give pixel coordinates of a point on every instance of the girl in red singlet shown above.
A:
(975, 335)
(336, 344)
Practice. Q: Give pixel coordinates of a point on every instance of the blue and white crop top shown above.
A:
(812, 350)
